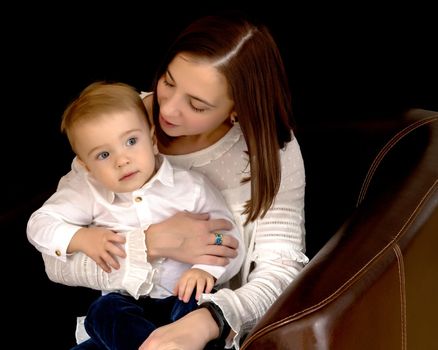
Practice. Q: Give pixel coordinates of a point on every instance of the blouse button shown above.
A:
(138, 199)
(58, 252)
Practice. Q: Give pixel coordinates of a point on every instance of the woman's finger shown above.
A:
(225, 240)
(219, 225)
(197, 216)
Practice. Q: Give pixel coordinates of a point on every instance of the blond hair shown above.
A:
(100, 98)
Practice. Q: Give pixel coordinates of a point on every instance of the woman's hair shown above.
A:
(249, 58)
(100, 98)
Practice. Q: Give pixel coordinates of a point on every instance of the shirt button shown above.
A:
(138, 199)
(58, 252)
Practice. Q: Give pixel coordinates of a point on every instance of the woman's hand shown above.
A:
(190, 238)
(192, 332)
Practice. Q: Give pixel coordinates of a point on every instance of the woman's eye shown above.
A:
(103, 155)
(131, 141)
(199, 110)
(166, 83)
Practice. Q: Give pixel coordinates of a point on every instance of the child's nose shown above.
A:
(122, 161)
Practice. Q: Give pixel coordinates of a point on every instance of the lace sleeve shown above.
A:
(135, 275)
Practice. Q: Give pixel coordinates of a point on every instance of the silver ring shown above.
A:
(218, 238)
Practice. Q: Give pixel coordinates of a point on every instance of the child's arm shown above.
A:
(60, 226)
(100, 244)
(191, 279)
(51, 228)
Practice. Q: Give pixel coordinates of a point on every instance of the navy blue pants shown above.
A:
(116, 321)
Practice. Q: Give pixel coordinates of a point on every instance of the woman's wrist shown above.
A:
(162, 241)
(211, 325)
(221, 323)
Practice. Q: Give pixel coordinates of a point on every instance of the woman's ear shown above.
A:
(154, 140)
(233, 117)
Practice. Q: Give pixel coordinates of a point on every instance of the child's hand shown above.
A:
(100, 244)
(202, 280)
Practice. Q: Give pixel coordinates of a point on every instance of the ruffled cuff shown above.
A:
(139, 274)
(232, 318)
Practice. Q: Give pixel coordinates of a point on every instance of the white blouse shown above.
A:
(275, 245)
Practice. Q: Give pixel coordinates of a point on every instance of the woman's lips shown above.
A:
(165, 122)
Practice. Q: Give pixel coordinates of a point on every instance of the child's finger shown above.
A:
(200, 286)
(117, 238)
(104, 266)
(116, 250)
(209, 285)
(111, 261)
(190, 286)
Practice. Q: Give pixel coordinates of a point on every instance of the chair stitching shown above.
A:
(378, 159)
(402, 286)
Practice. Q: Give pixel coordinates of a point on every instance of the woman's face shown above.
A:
(193, 98)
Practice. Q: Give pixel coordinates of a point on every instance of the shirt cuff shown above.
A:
(232, 320)
(139, 274)
(215, 271)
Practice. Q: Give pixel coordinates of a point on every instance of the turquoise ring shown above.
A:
(218, 238)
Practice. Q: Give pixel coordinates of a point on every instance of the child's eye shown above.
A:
(103, 155)
(131, 141)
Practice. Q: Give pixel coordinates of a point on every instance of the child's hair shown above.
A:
(100, 98)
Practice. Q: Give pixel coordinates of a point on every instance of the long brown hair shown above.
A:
(249, 58)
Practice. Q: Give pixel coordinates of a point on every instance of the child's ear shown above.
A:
(154, 139)
(82, 163)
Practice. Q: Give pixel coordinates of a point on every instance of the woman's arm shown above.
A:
(276, 253)
(135, 274)
(185, 237)
(179, 336)
(193, 245)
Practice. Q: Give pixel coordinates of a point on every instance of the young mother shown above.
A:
(222, 106)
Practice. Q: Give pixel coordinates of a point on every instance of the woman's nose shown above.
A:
(170, 106)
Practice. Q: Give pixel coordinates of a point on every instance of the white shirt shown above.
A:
(82, 201)
(275, 245)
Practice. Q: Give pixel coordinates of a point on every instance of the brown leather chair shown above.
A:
(374, 284)
(351, 295)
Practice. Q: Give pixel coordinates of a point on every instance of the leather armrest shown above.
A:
(373, 284)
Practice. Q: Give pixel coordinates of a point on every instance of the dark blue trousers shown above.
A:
(115, 321)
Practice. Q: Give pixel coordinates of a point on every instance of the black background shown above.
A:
(343, 64)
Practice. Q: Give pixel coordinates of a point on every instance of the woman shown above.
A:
(221, 106)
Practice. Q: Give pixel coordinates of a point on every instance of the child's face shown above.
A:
(117, 149)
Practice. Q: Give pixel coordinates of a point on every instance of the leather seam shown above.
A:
(402, 286)
(388, 146)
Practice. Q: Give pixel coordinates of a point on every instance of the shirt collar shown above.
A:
(164, 175)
